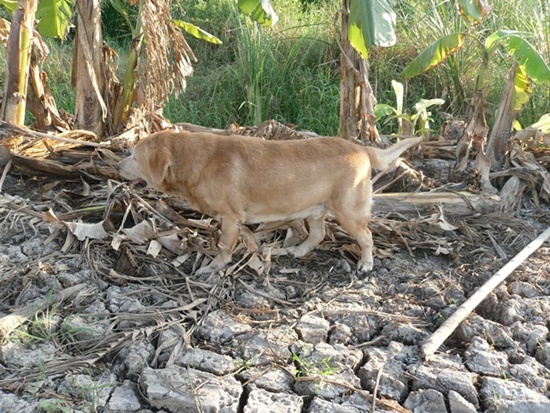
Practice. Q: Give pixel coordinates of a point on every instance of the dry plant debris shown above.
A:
(141, 248)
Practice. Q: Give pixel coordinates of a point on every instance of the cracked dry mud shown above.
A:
(305, 336)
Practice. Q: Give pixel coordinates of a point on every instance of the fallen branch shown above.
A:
(455, 204)
(20, 316)
(23, 130)
(449, 326)
(375, 391)
(38, 166)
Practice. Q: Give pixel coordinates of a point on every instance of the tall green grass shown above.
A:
(291, 72)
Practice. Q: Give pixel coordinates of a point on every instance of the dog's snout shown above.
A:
(129, 169)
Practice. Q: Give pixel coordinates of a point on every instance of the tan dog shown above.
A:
(241, 180)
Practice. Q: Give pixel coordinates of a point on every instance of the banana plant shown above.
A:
(53, 18)
(528, 66)
(365, 24)
(529, 61)
(128, 95)
(408, 124)
(124, 103)
(370, 24)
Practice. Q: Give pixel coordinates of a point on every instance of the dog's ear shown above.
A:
(160, 168)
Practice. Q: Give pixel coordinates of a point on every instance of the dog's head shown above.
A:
(150, 161)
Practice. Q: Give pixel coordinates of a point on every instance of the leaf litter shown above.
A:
(150, 245)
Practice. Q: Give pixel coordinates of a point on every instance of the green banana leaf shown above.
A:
(370, 24)
(543, 123)
(259, 10)
(121, 7)
(197, 32)
(381, 110)
(522, 88)
(10, 5)
(424, 104)
(435, 54)
(399, 91)
(54, 17)
(473, 10)
(523, 52)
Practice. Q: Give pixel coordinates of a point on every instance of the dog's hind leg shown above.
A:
(357, 227)
(353, 212)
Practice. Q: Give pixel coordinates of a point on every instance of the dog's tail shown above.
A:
(382, 158)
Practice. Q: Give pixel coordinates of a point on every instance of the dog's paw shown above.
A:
(218, 263)
(207, 270)
(365, 266)
(299, 251)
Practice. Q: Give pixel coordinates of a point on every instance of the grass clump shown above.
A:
(291, 72)
(288, 72)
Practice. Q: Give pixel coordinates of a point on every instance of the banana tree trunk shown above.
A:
(90, 110)
(356, 96)
(17, 66)
(124, 103)
(502, 129)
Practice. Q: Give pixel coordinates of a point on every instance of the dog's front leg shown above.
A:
(226, 244)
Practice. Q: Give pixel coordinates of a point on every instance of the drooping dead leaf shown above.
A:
(256, 264)
(533, 137)
(166, 66)
(295, 234)
(475, 133)
(248, 239)
(126, 262)
(140, 233)
(502, 129)
(511, 195)
(85, 231)
(540, 177)
(483, 165)
(51, 217)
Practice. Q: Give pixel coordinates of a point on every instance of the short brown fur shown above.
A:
(250, 180)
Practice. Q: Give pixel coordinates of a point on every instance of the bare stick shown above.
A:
(4, 173)
(446, 329)
(375, 391)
